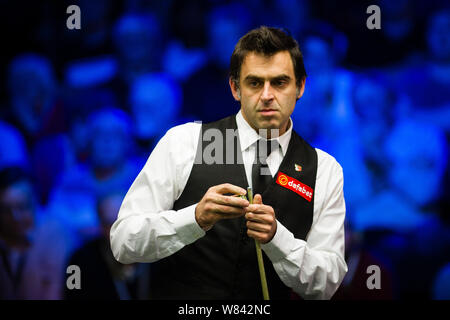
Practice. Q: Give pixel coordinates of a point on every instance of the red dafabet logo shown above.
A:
(295, 185)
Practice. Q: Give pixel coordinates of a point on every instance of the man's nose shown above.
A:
(267, 94)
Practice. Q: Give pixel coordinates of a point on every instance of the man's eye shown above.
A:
(254, 84)
(279, 83)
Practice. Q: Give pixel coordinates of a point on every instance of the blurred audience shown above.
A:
(206, 94)
(34, 107)
(401, 218)
(109, 167)
(102, 276)
(32, 245)
(155, 103)
(427, 83)
(366, 166)
(83, 113)
(93, 38)
(416, 160)
(139, 45)
(325, 116)
(359, 262)
(324, 109)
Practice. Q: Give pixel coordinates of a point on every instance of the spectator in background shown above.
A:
(373, 122)
(155, 102)
(416, 159)
(394, 44)
(108, 168)
(186, 52)
(80, 104)
(325, 116)
(93, 39)
(139, 44)
(160, 8)
(205, 93)
(103, 277)
(34, 107)
(413, 236)
(32, 245)
(37, 111)
(427, 83)
(59, 158)
(399, 31)
(358, 258)
(293, 15)
(182, 62)
(325, 111)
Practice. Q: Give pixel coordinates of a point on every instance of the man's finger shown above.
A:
(228, 211)
(257, 199)
(258, 208)
(231, 201)
(260, 236)
(259, 218)
(229, 188)
(258, 226)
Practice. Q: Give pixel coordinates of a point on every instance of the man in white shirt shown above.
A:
(179, 214)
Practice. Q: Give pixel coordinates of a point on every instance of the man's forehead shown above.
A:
(260, 65)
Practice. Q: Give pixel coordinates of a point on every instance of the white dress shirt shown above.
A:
(147, 229)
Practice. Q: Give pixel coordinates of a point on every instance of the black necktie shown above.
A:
(261, 176)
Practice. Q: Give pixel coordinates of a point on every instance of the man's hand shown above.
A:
(215, 206)
(261, 222)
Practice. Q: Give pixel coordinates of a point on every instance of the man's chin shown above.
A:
(267, 128)
(269, 123)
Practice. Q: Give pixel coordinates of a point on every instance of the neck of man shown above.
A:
(272, 133)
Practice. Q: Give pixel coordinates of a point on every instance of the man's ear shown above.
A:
(301, 88)
(235, 90)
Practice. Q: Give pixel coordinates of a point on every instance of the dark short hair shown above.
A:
(266, 41)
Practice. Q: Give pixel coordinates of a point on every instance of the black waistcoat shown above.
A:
(223, 264)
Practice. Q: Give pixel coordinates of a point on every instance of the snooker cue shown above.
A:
(262, 272)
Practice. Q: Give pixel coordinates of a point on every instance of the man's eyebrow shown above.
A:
(282, 77)
(252, 77)
(279, 77)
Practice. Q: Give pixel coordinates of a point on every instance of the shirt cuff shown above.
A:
(186, 226)
(281, 244)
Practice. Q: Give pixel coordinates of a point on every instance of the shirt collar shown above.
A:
(248, 136)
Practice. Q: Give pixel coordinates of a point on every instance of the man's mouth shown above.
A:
(267, 112)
